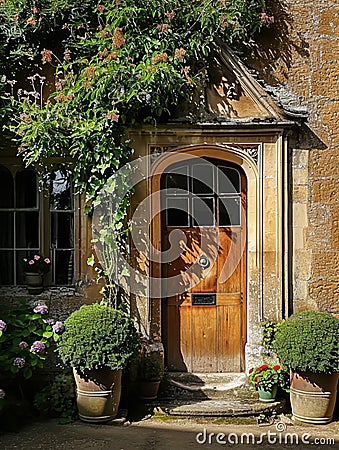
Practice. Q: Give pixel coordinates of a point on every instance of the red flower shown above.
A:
(256, 379)
(251, 370)
(265, 366)
(276, 367)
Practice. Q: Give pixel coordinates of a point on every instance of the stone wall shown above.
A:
(302, 52)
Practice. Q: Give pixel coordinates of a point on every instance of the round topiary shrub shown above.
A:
(98, 336)
(308, 341)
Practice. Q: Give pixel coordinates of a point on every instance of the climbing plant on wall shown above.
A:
(75, 75)
(108, 66)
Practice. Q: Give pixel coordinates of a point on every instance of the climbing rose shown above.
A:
(37, 346)
(265, 366)
(251, 370)
(277, 367)
(3, 325)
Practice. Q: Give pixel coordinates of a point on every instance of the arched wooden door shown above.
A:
(204, 274)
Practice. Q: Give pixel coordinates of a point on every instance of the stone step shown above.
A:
(230, 386)
(224, 408)
(210, 385)
(212, 395)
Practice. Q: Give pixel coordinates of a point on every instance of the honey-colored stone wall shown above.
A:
(302, 52)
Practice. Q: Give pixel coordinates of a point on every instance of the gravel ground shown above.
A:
(160, 433)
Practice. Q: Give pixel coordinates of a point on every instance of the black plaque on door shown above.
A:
(204, 299)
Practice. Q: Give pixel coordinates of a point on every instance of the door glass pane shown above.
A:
(177, 212)
(178, 179)
(63, 271)
(229, 211)
(26, 189)
(6, 264)
(203, 212)
(27, 229)
(6, 229)
(62, 230)
(60, 195)
(228, 180)
(203, 178)
(6, 188)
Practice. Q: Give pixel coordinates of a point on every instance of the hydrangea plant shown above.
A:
(26, 333)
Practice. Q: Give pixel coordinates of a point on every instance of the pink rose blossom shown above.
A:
(36, 257)
(31, 262)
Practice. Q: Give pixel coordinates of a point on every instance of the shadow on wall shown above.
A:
(276, 43)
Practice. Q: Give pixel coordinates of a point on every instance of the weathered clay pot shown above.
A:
(313, 396)
(34, 282)
(149, 390)
(98, 394)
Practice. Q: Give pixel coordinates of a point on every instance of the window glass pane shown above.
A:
(7, 265)
(60, 195)
(20, 255)
(177, 212)
(27, 229)
(62, 230)
(229, 211)
(26, 189)
(203, 212)
(6, 229)
(203, 178)
(64, 268)
(6, 188)
(178, 179)
(228, 180)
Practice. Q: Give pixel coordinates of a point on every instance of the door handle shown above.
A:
(203, 261)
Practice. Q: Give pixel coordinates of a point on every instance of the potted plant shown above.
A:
(307, 344)
(34, 269)
(266, 379)
(98, 342)
(151, 368)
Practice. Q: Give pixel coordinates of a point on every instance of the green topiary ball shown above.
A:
(98, 336)
(308, 341)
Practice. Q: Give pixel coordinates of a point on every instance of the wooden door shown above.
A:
(204, 287)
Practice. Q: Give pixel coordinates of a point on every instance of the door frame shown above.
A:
(228, 155)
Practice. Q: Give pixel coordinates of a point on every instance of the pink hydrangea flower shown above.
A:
(41, 309)
(19, 362)
(37, 346)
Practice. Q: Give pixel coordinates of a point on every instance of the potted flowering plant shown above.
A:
(34, 269)
(266, 379)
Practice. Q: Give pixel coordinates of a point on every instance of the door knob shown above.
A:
(203, 261)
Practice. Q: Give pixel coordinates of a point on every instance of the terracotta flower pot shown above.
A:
(149, 390)
(98, 394)
(34, 281)
(313, 396)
